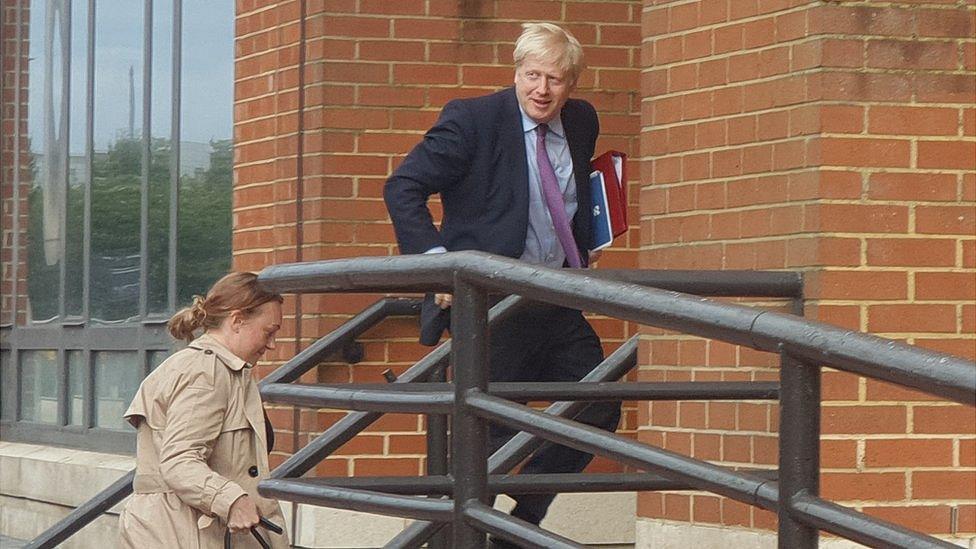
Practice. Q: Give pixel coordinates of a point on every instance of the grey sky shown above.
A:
(207, 100)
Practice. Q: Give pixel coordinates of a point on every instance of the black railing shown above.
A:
(804, 347)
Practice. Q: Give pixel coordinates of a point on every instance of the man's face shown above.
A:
(542, 88)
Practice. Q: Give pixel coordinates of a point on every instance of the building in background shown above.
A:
(833, 138)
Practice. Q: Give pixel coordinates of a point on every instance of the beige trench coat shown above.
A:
(200, 446)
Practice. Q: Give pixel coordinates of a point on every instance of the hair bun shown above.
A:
(199, 309)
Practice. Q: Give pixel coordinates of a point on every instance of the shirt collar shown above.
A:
(555, 125)
(207, 342)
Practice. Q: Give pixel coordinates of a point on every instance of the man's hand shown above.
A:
(243, 515)
(443, 300)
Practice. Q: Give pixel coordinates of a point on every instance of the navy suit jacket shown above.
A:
(474, 157)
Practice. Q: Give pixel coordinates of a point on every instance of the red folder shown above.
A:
(613, 165)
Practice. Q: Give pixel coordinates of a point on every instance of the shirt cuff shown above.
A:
(436, 250)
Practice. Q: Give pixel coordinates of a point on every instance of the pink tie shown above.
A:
(554, 199)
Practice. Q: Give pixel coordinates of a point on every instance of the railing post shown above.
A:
(799, 447)
(469, 438)
(437, 463)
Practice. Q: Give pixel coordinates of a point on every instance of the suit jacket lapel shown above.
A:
(511, 141)
(581, 164)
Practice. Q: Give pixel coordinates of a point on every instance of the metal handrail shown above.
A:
(804, 346)
(935, 373)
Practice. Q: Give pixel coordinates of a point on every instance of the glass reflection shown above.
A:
(117, 162)
(47, 136)
(77, 370)
(161, 151)
(39, 386)
(78, 167)
(117, 376)
(206, 148)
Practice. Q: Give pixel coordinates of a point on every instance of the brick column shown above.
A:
(836, 138)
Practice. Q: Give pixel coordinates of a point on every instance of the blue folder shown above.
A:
(602, 232)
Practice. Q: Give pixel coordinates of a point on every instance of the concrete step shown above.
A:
(11, 543)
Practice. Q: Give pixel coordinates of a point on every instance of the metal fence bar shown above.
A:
(859, 527)
(437, 455)
(513, 529)
(357, 500)
(372, 399)
(702, 475)
(406, 398)
(349, 331)
(799, 448)
(83, 514)
(346, 428)
(443, 485)
(523, 444)
(469, 439)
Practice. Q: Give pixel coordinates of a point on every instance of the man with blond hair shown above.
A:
(512, 170)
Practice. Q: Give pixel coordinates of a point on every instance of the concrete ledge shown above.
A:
(40, 485)
(597, 519)
(661, 534)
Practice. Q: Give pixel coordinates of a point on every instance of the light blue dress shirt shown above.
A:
(542, 246)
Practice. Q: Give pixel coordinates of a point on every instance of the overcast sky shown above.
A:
(208, 47)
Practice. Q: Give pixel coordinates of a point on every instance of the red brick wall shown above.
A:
(835, 138)
(10, 118)
(376, 75)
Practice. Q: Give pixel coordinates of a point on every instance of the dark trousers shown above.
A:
(548, 343)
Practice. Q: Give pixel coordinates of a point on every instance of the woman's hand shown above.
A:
(243, 515)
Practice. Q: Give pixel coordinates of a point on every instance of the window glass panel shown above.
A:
(78, 168)
(156, 358)
(206, 147)
(39, 386)
(77, 372)
(117, 376)
(161, 150)
(117, 162)
(47, 135)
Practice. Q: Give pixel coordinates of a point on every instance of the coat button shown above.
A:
(208, 352)
(253, 471)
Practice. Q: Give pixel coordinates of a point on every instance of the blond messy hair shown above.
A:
(548, 41)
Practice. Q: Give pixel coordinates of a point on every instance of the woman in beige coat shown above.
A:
(202, 445)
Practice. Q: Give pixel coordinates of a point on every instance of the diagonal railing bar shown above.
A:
(84, 514)
(327, 345)
(859, 527)
(365, 501)
(520, 446)
(353, 423)
(513, 529)
(671, 465)
(931, 372)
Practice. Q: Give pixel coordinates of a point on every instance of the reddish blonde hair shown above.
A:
(236, 291)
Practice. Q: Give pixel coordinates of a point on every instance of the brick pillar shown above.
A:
(14, 120)
(835, 138)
